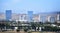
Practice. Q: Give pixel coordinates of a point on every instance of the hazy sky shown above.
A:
(22, 6)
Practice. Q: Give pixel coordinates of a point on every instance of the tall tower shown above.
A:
(8, 14)
(30, 16)
(58, 17)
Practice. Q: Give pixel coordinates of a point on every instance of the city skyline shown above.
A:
(37, 6)
(50, 17)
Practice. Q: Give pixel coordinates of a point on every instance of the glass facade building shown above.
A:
(30, 16)
(8, 14)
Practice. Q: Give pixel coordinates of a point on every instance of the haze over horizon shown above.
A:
(37, 6)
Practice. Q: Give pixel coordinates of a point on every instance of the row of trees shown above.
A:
(36, 24)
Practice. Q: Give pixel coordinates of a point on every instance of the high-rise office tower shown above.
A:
(30, 16)
(8, 14)
(58, 15)
(52, 19)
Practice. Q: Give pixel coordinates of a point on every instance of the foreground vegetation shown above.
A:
(47, 26)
